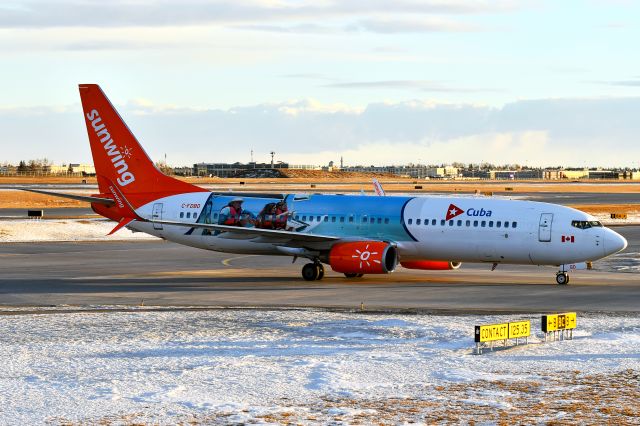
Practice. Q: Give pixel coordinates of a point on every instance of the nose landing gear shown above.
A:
(313, 271)
(562, 278)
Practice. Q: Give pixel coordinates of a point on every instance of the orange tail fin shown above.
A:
(119, 157)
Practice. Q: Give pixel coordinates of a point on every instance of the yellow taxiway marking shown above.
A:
(227, 262)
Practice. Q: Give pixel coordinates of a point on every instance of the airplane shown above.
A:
(352, 234)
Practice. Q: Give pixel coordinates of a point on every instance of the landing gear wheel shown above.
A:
(350, 275)
(359, 275)
(310, 272)
(320, 271)
(562, 278)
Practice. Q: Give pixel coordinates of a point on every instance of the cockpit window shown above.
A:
(585, 224)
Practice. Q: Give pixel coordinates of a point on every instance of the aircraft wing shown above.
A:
(255, 232)
(100, 200)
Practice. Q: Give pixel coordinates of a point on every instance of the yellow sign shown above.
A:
(519, 329)
(491, 332)
(555, 322)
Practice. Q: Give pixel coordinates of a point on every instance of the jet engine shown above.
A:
(431, 265)
(363, 257)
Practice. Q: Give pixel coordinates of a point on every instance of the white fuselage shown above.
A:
(478, 229)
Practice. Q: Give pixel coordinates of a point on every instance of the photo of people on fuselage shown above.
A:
(234, 215)
(273, 216)
(263, 213)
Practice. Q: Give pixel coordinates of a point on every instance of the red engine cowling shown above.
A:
(431, 265)
(363, 257)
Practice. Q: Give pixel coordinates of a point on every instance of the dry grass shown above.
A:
(608, 208)
(31, 200)
(559, 399)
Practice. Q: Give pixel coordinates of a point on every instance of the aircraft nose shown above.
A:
(614, 242)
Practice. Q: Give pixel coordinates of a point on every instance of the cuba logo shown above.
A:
(454, 211)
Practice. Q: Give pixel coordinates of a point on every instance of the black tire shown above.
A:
(350, 275)
(310, 272)
(359, 275)
(320, 271)
(562, 278)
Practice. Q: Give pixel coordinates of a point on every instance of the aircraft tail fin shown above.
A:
(118, 156)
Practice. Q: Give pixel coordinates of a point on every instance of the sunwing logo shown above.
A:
(117, 158)
(454, 211)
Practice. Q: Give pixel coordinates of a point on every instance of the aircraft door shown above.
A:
(157, 215)
(544, 230)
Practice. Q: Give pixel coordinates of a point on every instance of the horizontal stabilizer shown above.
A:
(124, 222)
(99, 200)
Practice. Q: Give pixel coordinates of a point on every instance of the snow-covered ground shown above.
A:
(26, 230)
(307, 366)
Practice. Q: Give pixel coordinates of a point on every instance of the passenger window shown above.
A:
(188, 215)
(386, 220)
(483, 223)
(364, 219)
(433, 222)
(333, 218)
(319, 218)
(450, 223)
(459, 223)
(181, 214)
(426, 222)
(475, 223)
(490, 224)
(506, 223)
(350, 218)
(304, 218)
(410, 221)
(468, 223)
(442, 222)
(341, 219)
(326, 218)
(514, 224)
(380, 220)
(498, 224)
(297, 217)
(417, 221)
(310, 218)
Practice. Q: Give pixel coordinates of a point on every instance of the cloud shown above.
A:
(599, 131)
(631, 83)
(422, 85)
(425, 25)
(123, 13)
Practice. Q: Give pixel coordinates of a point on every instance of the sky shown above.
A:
(538, 83)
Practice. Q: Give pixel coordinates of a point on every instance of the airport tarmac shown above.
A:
(167, 274)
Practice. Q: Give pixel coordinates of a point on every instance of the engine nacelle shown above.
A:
(363, 257)
(431, 265)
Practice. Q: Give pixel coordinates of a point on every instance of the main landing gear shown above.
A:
(313, 271)
(562, 278)
(351, 275)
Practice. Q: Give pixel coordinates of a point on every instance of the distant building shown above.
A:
(446, 172)
(59, 170)
(516, 174)
(183, 171)
(572, 174)
(230, 170)
(85, 169)
(604, 174)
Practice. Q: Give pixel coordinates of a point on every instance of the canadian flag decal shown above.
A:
(453, 211)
